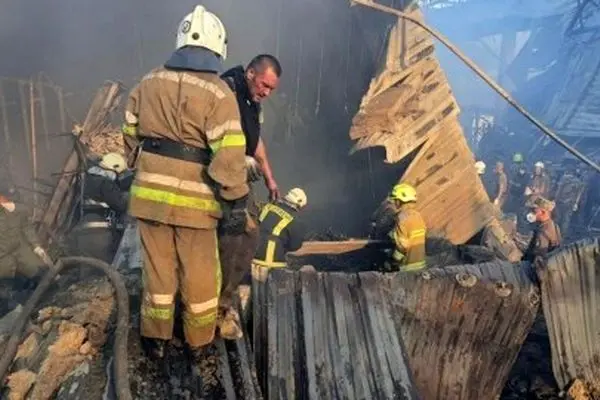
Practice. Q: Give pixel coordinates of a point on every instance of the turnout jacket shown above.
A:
(546, 238)
(409, 236)
(280, 233)
(198, 111)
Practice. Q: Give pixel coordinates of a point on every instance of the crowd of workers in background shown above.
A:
(569, 191)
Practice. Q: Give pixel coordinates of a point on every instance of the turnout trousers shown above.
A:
(186, 259)
(236, 254)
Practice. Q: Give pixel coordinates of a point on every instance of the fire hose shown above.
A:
(120, 371)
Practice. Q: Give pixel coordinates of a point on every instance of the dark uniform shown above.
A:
(568, 199)
(280, 233)
(546, 237)
(99, 229)
(236, 251)
(17, 241)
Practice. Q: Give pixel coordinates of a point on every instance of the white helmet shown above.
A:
(202, 28)
(296, 197)
(480, 167)
(539, 164)
(113, 162)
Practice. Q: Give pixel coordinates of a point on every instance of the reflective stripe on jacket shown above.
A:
(409, 236)
(276, 236)
(196, 109)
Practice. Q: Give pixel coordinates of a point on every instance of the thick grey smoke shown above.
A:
(329, 54)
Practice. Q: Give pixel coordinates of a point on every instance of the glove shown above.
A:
(496, 202)
(253, 169)
(41, 253)
(528, 191)
(234, 217)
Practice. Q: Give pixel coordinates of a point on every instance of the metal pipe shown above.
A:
(497, 88)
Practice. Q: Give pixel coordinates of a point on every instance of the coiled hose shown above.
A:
(120, 371)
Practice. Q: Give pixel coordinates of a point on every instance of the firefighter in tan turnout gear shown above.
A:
(398, 218)
(190, 174)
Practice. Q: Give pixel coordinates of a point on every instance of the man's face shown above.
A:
(261, 84)
(538, 170)
(540, 214)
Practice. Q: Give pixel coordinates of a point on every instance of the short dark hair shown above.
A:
(264, 61)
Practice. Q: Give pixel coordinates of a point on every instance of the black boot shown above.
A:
(155, 349)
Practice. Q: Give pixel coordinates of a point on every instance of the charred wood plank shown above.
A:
(571, 298)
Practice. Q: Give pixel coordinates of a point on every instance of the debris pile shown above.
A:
(64, 338)
(109, 140)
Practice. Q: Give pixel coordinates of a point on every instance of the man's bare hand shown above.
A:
(273, 190)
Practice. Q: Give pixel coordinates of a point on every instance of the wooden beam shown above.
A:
(341, 247)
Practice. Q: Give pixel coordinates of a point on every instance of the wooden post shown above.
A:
(24, 113)
(61, 108)
(5, 127)
(44, 113)
(33, 144)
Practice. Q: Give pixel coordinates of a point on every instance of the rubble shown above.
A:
(19, 384)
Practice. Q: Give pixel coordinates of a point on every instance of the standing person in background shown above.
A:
(190, 174)
(539, 186)
(501, 186)
(21, 253)
(251, 86)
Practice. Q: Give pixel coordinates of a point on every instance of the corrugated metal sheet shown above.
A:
(571, 301)
(410, 106)
(335, 335)
(328, 336)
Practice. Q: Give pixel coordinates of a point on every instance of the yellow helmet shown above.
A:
(404, 192)
(114, 162)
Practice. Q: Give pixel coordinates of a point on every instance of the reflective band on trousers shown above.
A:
(413, 267)
(265, 264)
(230, 139)
(172, 199)
(129, 130)
(163, 314)
(199, 321)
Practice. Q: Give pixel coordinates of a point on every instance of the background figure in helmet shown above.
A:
(518, 181)
(99, 229)
(480, 168)
(501, 194)
(21, 253)
(409, 230)
(102, 182)
(539, 186)
(190, 176)
(280, 230)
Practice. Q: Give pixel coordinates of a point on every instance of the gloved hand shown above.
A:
(234, 217)
(528, 191)
(41, 253)
(496, 202)
(253, 168)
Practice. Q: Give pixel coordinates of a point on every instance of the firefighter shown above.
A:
(190, 174)
(251, 85)
(102, 182)
(518, 181)
(546, 234)
(518, 162)
(409, 230)
(21, 252)
(280, 230)
(501, 186)
(98, 231)
(569, 193)
(539, 186)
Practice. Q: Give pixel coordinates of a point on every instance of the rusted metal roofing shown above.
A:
(341, 335)
(410, 107)
(571, 302)
(328, 336)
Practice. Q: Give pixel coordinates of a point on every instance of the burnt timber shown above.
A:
(372, 335)
(410, 110)
(571, 296)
